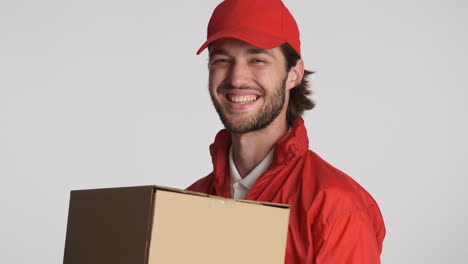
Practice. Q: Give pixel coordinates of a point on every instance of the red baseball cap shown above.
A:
(263, 23)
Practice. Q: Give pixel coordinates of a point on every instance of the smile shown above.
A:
(242, 99)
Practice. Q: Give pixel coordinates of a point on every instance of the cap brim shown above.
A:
(259, 39)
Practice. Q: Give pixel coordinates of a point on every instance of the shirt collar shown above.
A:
(249, 180)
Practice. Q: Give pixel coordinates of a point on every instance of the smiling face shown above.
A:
(248, 85)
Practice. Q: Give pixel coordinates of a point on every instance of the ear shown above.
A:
(295, 75)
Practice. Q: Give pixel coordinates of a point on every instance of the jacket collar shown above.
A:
(292, 145)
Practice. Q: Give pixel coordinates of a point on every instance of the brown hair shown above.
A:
(298, 100)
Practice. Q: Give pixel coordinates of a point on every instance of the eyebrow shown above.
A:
(219, 52)
(252, 51)
(260, 51)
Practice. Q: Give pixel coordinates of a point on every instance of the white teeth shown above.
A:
(242, 99)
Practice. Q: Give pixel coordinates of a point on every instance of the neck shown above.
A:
(251, 148)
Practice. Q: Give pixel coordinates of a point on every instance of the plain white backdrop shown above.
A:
(110, 93)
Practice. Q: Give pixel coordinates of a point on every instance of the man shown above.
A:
(257, 84)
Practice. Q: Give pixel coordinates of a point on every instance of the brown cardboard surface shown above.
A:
(108, 226)
(196, 229)
(156, 224)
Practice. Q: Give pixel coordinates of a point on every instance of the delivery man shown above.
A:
(258, 86)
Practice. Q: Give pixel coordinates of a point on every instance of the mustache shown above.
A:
(228, 86)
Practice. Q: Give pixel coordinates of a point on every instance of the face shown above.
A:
(247, 84)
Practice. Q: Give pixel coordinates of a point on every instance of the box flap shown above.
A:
(219, 197)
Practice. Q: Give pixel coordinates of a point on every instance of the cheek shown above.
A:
(215, 78)
(269, 79)
(212, 84)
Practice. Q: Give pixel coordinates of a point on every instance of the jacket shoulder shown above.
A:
(335, 183)
(338, 196)
(203, 185)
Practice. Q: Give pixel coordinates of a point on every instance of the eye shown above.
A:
(220, 60)
(258, 61)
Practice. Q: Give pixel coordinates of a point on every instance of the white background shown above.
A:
(101, 93)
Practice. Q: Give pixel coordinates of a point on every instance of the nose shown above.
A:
(238, 75)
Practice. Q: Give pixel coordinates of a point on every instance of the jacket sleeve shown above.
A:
(348, 238)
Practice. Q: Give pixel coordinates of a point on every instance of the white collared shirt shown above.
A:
(241, 186)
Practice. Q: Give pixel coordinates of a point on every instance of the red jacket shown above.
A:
(333, 219)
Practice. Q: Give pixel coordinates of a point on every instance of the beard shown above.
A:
(274, 103)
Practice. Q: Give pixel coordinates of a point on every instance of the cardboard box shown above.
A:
(159, 225)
